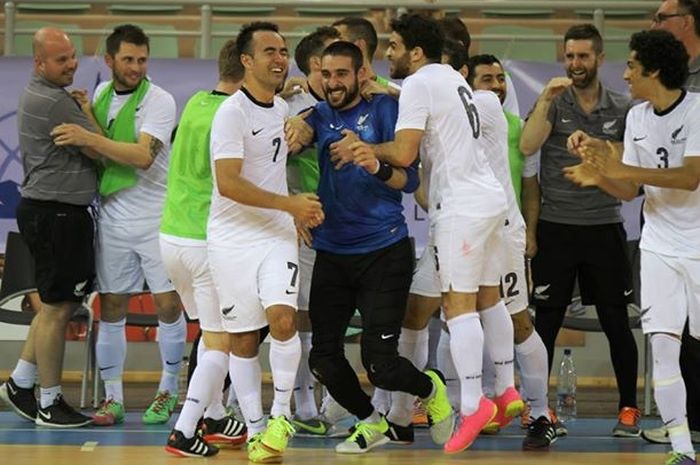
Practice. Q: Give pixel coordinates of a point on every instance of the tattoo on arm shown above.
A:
(154, 147)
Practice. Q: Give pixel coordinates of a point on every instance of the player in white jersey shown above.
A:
(138, 118)
(467, 204)
(251, 237)
(661, 153)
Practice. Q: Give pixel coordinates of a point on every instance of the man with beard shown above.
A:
(466, 205)
(137, 118)
(364, 256)
(580, 233)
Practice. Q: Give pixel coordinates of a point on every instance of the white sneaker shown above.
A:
(366, 437)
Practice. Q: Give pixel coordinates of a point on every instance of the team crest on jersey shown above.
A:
(609, 128)
(362, 122)
(675, 134)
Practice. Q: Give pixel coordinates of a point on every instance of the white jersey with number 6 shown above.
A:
(253, 131)
(437, 100)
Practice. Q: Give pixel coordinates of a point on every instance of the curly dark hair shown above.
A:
(659, 51)
(420, 31)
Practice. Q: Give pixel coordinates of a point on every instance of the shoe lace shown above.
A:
(160, 403)
(362, 429)
(629, 416)
(280, 427)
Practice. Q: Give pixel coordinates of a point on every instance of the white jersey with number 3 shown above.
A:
(437, 100)
(253, 131)
(653, 140)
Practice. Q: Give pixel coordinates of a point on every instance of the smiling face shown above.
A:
(637, 79)
(129, 65)
(581, 62)
(491, 77)
(55, 60)
(341, 85)
(269, 61)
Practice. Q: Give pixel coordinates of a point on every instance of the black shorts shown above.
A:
(596, 255)
(60, 238)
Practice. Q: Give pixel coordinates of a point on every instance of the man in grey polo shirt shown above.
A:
(59, 185)
(682, 19)
(580, 233)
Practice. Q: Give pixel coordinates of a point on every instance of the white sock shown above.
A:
(246, 379)
(48, 395)
(216, 409)
(231, 399)
(466, 346)
(207, 377)
(498, 340)
(434, 333)
(488, 380)
(413, 345)
(171, 341)
(669, 391)
(284, 363)
(381, 399)
(201, 349)
(534, 373)
(447, 367)
(24, 374)
(111, 354)
(304, 398)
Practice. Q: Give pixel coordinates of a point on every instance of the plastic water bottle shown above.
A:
(566, 389)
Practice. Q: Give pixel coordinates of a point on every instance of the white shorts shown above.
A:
(670, 294)
(514, 279)
(188, 268)
(426, 281)
(251, 279)
(468, 252)
(307, 257)
(125, 256)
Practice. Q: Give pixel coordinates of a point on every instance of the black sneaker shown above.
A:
(22, 400)
(540, 434)
(227, 430)
(61, 415)
(179, 445)
(400, 434)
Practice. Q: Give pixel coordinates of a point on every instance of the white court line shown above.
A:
(89, 446)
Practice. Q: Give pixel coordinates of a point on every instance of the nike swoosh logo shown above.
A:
(666, 423)
(387, 336)
(227, 310)
(290, 292)
(628, 292)
(107, 368)
(564, 120)
(637, 139)
(320, 429)
(45, 415)
(510, 302)
(171, 363)
(255, 133)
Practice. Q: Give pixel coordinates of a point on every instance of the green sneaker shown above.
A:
(365, 437)
(440, 415)
(110, 413)
(160, 409)
(278, 433)
(258, 453)
(312, 428)
(678, 458)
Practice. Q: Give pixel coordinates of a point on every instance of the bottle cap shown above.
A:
(567, 351)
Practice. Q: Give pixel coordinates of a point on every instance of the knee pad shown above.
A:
(382, 370)
(324, 368)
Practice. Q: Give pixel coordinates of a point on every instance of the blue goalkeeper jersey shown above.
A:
(363, 214)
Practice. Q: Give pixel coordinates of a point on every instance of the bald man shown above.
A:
(59, 185)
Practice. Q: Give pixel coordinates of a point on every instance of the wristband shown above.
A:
(384, 172)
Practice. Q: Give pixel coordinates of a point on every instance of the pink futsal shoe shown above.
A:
(470, 426)
(510, 405)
